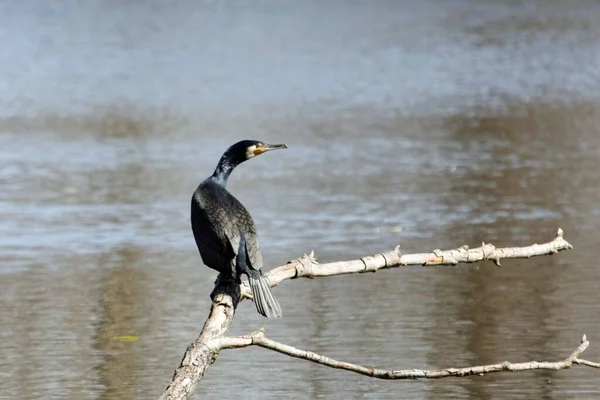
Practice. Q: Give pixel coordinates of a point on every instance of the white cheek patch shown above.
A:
(250, 151)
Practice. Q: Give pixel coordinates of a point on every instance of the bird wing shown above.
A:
(217, 224)
(245, 225)
(211, 228)
(253, 250)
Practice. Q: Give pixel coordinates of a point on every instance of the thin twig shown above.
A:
(586, 362)
(258, 338)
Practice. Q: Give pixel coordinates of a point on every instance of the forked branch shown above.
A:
(226, 295)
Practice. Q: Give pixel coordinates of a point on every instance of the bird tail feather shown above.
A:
(264, 301)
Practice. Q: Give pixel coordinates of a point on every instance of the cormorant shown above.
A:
(224, 230)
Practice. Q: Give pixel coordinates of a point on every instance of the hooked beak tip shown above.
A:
(275, 147)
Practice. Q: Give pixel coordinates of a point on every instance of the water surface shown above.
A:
(428, 125)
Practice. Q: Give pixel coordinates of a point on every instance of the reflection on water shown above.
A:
(429, 125)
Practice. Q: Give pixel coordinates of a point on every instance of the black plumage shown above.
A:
(225, 232)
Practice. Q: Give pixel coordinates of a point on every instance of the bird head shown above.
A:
(246, 149)
(237, 154)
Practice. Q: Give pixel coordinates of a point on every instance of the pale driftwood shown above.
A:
(308, 267)
(198, 355)
(586, 363)
(202, 352)
(258, 338)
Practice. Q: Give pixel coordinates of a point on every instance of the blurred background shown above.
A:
(426, 124)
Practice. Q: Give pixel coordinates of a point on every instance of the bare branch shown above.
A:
(308, 267)
(586, 362)
(258, 338)
(226, 296)
(199, 355)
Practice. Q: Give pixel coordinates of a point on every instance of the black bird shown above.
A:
(224, 230)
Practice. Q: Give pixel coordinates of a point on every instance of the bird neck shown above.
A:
(223, 170)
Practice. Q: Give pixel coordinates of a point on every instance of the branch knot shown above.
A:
(373, 263)
(304, 265)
